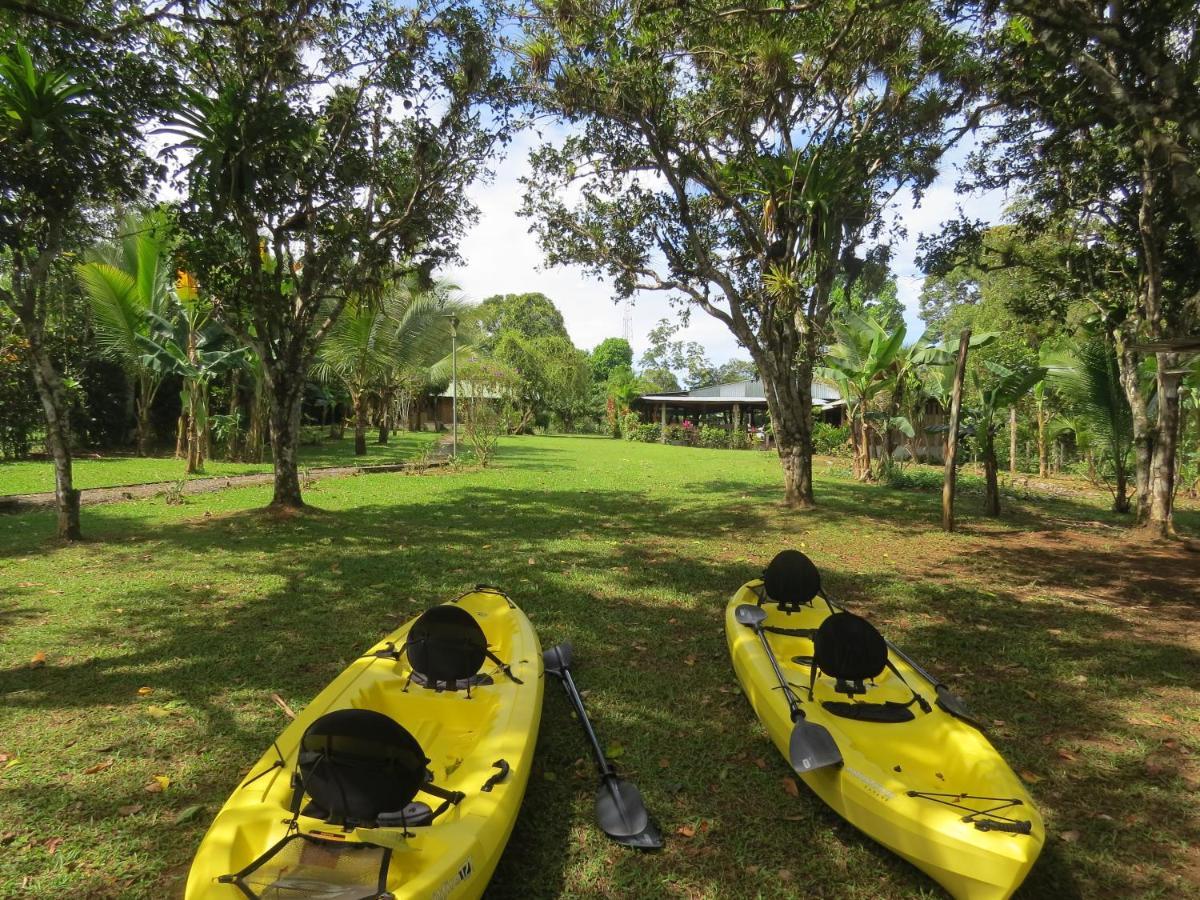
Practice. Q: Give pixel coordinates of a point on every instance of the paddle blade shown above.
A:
(812, 747)
(622, 815)
(749, 615)
(557, 658)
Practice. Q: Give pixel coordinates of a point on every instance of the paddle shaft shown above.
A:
(568, 684)
(793, 706)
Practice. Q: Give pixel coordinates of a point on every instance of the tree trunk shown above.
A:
(1158, 518)
(1012, 441)
(286, 396)
(58, 434)
(1121, 494)
(384, 432)
(360, 424)
(195, 440)
(991, 499)
(181, 428)
(1043, 455)
(789, 400)
(951, 451)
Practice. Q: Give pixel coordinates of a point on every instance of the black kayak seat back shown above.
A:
(446, 645)
(791, 580)
(850, 649)
(358, 765)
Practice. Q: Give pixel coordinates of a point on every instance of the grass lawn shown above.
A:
(165, 634)
(30, 477)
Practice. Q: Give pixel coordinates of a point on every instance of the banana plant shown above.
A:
(996, 395)
(860, 363)
(190, 345)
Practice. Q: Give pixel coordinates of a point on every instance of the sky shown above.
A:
(502, 257)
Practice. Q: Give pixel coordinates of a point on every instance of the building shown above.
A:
(740, 404)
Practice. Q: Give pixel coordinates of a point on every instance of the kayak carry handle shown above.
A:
(503, 766)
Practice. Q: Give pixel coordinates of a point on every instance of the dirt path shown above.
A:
(15, 503)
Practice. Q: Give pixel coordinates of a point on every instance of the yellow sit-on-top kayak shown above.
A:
(884, 744)
(402, 778)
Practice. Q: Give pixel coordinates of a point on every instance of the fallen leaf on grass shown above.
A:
(790, 787)
(760, 762)
(690, 659)
(131, 810)
(145, 691)
(157, 785)
(53, 844)
(1066, 754)
(188, 813)
(1070, 837)
(98, 767)
(158, 712)
(664, 763)
(1029, 777)
(686, 831)
(614, 751)
(39, 660)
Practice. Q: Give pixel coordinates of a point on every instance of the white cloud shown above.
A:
(501, 257)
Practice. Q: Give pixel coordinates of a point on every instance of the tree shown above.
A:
(941, 294)
(532, 315)
(874, 292)
(665, 355)
(735, 370)
(126, 283)
(377, 343)
(326, 143)
(69, 133)
(1088, 377)
(1102, 102)
(611, 353)
(740, 159)
(996, 394)
(861, 363)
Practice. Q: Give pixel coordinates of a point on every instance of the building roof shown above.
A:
(746, 392)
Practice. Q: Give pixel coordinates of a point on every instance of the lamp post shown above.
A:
(454, 382)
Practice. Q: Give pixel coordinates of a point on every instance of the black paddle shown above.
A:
(619, 807)
(811, 746)
(946, 698)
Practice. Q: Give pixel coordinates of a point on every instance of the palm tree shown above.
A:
(125, 284)
(377, 345)
(1088, 379)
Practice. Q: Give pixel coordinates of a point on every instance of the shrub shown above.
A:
(20, 411)
(675, 433)
(712, 436)
(739, 440)
(630, 423)
(831, 440)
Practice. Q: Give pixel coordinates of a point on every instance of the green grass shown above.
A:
(1082, 652)
(29, 477)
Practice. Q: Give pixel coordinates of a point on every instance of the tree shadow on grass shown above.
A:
(256, 605)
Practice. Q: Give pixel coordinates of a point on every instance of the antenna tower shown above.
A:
(627, 321)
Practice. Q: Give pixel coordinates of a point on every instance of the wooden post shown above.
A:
(960, 372)
(662, 415)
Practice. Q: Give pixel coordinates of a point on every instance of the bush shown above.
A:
(739, 440)
(20, 410)
(712, 436)
(675, 433)
(647, 433)
(831, 440)
(630, 423)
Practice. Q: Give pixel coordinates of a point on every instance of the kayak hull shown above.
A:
(451, 859)
(899, 781)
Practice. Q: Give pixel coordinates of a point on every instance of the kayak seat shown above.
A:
(851, 650)
(791, 580)
(446, 648)
(362, 768)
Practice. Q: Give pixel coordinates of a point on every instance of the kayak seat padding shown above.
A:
(445, 645)
(791, 580)
(849, 648)
(870, 712)
(356, 764)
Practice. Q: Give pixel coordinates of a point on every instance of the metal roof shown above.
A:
(823, 394)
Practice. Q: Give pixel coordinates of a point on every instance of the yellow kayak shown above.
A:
(402, 778)
(914, 773)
